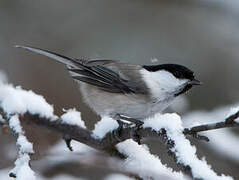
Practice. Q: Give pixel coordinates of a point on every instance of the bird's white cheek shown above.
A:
(161, 83)
(152, 84)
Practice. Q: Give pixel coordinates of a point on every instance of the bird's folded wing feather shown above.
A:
(108, 75)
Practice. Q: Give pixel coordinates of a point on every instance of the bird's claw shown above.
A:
(138, 125)
(136, 136)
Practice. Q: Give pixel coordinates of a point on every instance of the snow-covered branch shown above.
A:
(114, 137)
(18, 105)
(22, 168)
(111, 139)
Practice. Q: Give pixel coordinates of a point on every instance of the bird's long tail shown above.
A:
(60, 58)
(89, 72)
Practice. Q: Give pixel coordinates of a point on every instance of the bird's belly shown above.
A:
(104, 103)
(143, 111)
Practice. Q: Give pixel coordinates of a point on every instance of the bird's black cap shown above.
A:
(179, 71)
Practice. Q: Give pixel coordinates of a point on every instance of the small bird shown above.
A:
(124, 90)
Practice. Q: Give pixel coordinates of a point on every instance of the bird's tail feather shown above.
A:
(60, 58)
(90, 72)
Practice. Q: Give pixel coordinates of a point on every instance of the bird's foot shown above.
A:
(136, 135)
(138, 125)
(137, 122)
(121, 123)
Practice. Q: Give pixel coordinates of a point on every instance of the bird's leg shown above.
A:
(121, 124)
(138, 124)
(135, 135)
(137, 138)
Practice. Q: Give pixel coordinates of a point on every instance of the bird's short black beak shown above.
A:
(195, 82)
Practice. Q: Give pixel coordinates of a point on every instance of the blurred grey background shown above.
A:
(202, 35)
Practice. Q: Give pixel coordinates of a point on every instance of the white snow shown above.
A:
(15, 100)
(15, 125)
(24, 145)
(73, 117)
(105, 125)
(146, 165)
(22, 169)
(185, 152)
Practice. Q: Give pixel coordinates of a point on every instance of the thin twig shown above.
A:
(212, 126)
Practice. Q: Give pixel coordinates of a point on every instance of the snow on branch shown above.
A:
(184, 151)
(141, 161)
(22, 170)
(15, 100)
(72, 117)
(107, 137)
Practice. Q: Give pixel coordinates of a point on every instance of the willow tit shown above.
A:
(112, 88)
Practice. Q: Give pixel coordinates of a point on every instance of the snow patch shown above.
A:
(146, 165)
(22, 169)
(73, 117)
(15, 100)
(15, 125)
(105, 125)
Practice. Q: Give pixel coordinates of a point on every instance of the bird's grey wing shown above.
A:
(117, 77)
(108, 75)
(131, 73)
